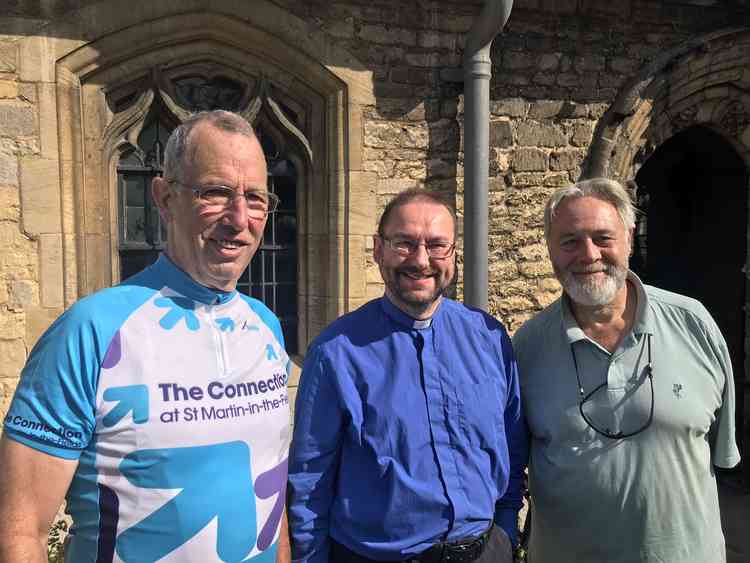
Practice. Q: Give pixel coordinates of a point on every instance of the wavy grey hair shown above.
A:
(611, 191)
(178, 145)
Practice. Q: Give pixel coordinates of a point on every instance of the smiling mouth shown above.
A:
(228, 244)
(417, 276)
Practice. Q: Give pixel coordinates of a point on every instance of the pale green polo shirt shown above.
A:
(648, 498)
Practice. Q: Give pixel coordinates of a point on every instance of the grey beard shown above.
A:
(592, 293)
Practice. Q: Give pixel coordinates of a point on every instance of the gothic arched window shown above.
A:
(272, 275)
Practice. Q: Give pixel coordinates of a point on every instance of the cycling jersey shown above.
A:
(173, 399)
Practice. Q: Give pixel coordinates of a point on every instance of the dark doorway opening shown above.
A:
(692, 239)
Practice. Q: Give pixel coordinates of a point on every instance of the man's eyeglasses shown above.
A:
(406, 247)
(259, 202)
(586, 399)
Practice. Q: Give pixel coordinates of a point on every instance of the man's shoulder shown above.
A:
(668, 301)
(360, 321)
(472, 315)
(110, 303)
(539, 325)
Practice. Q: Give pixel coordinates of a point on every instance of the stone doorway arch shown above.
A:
(692, 100)
(692, 235)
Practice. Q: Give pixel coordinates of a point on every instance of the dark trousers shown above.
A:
(497, 550)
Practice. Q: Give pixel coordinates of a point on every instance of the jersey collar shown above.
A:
(183, 284)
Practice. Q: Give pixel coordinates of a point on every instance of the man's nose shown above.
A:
(237, 213)
(590, 251)
(420, 255)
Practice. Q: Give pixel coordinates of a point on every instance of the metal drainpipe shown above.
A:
(477, 71)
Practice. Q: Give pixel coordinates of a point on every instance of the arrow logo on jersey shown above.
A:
(131, 398)
(213, 481)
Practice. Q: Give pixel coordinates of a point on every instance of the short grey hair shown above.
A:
(611, 191)
(178, 144)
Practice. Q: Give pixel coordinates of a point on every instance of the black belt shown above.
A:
(462, 551)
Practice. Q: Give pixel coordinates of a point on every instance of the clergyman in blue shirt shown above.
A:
(409, 440)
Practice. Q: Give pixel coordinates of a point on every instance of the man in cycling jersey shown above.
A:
(159, 407)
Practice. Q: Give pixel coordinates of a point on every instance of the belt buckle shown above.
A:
(463, 553)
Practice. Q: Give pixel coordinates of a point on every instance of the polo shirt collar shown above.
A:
(401, 318)
(178, 280)
(644, 322)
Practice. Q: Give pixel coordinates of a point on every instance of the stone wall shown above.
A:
(556, 69)
(25, 255)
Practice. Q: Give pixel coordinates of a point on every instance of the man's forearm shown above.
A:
(19, 547)
(284, 553)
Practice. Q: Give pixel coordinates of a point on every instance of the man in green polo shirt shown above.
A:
(629, 399)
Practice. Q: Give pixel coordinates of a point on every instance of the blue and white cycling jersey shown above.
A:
(173, 398)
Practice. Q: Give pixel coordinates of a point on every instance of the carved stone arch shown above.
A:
(325, 102)
(685, 85)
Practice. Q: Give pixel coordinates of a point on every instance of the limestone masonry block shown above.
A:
(535, 269)
(23, 294)
(566, 160)
(8, 90)
(530, 160)
(8, 57)
(388, 35)
(12, 325)
(40, 195)
(532, 133)
(512, 107)
(8, 170)
(501, 134)
(16, 119)
(51, 269)
(13, 353)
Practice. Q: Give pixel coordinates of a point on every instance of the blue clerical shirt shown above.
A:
(407, 433)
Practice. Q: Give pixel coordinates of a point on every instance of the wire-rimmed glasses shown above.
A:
(259, 202)
(587, 397)
(439, 249)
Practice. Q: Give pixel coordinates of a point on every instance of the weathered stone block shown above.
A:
(40, 195)
(518, 60)
(23, 294)
(393, 187)
(8, 170)
(17, 120)
(512, 107)
(549, 61)
(530, 160)
(343, 29)
(501, 134)
(48, 118)
(8, 90)
(535, 269)
(624, 65)
(12, 325)
(410, 75)
(581, 134)
(566, 160)
(544, 109)
(388, 35)
(531, 133)
(51, 269)
(8, 57)
(589, 63)
(545, 78)
(557, 180)
(533, 252)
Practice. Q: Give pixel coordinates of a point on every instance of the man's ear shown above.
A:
(631, 242)
(377, 248)
(162, 196)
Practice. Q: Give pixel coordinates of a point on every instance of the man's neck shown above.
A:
(607, 324)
